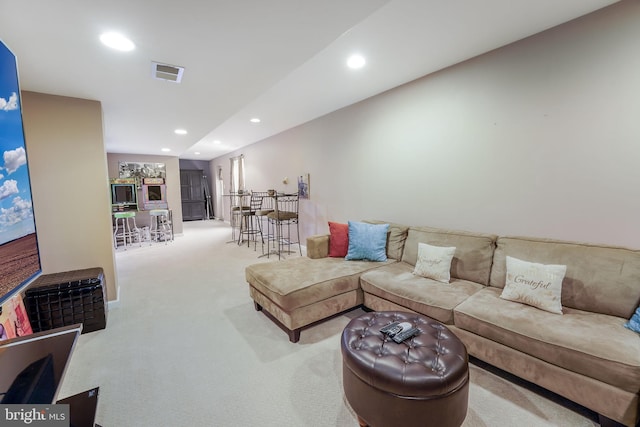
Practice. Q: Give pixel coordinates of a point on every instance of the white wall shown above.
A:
(539, 138)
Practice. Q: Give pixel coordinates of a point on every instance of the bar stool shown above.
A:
(237, 208)
(161, 225)
(249, 225)
(266, 207)
(283, 219)
(123, 229)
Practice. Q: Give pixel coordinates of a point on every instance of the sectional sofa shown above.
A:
(584, 354)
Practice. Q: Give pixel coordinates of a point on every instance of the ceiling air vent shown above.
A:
(171, 73)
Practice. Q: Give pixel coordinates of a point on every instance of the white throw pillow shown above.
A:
(434, 262)
(538, 285)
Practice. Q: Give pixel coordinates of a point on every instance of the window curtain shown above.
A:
(237, 173)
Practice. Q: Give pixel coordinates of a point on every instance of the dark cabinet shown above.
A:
(193, 192)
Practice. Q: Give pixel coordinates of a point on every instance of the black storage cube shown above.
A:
(62, 299)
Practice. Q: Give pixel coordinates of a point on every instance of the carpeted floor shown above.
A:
(184, 347)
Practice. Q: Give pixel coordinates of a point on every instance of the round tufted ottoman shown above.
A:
(423, 381)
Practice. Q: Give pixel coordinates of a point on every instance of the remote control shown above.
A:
(395, 328)
(391, 327)
(401, 336)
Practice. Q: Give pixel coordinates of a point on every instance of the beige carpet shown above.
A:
(184, 347)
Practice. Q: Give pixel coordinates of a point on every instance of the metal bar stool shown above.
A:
(161, 225)
(266, 207)
(123, 229)
(284, 219)
(249, 223)
(237, 206)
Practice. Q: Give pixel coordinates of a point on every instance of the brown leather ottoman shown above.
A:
(423, 381)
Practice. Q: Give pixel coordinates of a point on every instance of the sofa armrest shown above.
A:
(318, 246)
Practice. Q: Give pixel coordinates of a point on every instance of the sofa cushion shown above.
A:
(396, 238)
(318, 246)
(298, 282)
(338, 239)
(535, 284)
(591, 344)
(634, 322)
(397, 283)
(434, 262)
(601, 279)
(474, 251)
(367, 241)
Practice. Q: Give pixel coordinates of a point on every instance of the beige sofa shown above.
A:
(585, 354)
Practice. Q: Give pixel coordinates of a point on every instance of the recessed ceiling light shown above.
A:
(255, 120)
(356, 61)
(180, 132)
(197, 153)
(217, 142)
(117, 41)
(166, 150)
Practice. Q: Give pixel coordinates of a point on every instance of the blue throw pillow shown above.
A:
(634, 322)
(367, 241)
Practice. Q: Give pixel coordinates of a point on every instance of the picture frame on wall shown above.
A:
(14, 321)
(19, 250)
(141, 170)
(303, 186)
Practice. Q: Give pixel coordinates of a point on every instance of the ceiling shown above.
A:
(280, 60)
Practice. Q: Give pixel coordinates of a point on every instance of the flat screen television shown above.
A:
(154, 192)
(32, 367)
(19, 254)
(154, 196)
(123, 194)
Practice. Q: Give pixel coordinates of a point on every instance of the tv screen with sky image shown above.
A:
(19, 257)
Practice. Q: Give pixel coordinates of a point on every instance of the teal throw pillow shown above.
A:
(367, 241)
(634, 322)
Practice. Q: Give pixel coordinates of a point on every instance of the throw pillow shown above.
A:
(338, 239)
(434, 262)
(538, 285)
(367, 241)
(634, 322)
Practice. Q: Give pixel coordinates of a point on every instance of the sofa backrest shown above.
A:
(473, 255)
(396, 237)
(600, 279)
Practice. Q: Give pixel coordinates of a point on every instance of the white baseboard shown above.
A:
(116, 302)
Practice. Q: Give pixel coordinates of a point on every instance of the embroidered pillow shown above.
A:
(634, 322)
(538, 285)
(338, 239)
(434, 262)
(367, 241)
